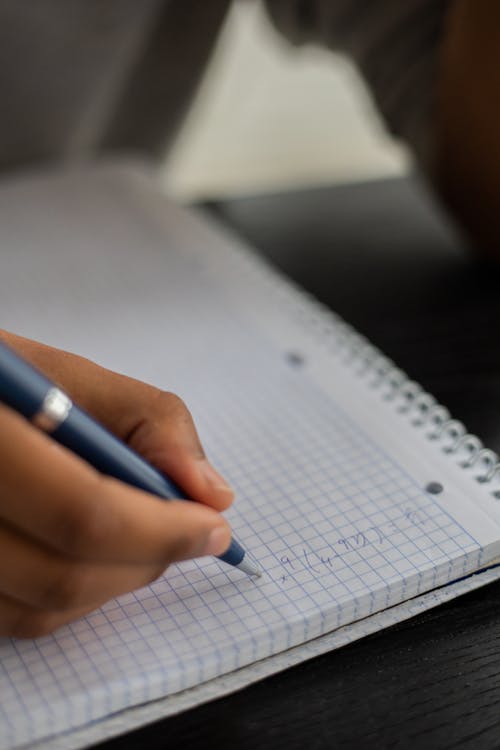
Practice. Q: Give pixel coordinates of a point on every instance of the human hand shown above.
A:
(72, 538)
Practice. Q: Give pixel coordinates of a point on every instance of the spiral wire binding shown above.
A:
(408, 397)
(420, 407)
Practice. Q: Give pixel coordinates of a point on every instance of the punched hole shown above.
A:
(434, 488)
(295, 359)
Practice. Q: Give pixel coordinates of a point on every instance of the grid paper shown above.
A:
(340, 527)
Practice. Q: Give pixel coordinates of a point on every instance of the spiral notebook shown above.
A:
(361, 498)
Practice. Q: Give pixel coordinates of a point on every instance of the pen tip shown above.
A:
(250, 569)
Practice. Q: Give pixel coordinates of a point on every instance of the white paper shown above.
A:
(330, 479)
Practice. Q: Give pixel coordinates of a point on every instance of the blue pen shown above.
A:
(27, 391)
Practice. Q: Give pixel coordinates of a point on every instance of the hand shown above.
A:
(71, 538)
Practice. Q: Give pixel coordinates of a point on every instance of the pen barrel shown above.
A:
(21, 386)
(100, 448)
(234, 553)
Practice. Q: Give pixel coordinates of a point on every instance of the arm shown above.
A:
(467, 120)
(433, 67)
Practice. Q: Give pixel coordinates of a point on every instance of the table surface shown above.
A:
(380, 255)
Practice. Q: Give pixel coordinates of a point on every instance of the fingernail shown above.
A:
(215, 480)
(218, 541)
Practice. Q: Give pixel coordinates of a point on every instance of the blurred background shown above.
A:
(269, 117)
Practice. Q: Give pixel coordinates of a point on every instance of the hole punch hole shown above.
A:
(434, 488)
(295, 359)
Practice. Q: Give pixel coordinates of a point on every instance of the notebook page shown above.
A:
(336, 514)
(136, 716)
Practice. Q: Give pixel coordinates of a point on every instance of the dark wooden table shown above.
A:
(379, 255)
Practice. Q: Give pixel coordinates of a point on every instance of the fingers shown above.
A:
(72, 538)
(40, 578)
(18, 620)
(63, 503)
(164, 433)
(155, 423)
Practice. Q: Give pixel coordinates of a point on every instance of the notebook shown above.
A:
(361, 498)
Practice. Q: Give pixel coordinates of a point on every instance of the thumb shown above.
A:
(165, 434)
(192, 530)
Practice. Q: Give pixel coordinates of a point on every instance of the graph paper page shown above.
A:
(337, 515)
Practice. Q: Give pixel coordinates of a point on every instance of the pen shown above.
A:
(27, 391)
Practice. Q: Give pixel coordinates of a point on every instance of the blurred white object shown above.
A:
(269, 116)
